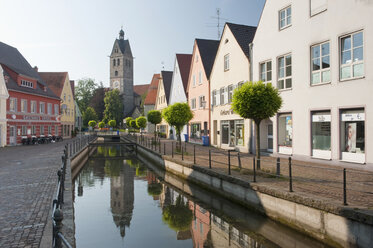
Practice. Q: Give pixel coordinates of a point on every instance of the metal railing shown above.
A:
(348, 186)
(70, 149)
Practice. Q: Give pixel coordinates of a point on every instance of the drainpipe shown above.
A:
(252, 140)
(209, 112)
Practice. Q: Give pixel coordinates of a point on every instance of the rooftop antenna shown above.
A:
(219, 19)
(162, 63)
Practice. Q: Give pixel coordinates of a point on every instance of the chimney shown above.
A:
(36, 68)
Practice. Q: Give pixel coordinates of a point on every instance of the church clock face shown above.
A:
(116, 85)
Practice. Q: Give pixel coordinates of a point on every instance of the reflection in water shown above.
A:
(126, 205)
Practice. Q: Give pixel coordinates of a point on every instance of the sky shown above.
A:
(77, 36)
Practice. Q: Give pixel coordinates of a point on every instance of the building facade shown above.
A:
(150, 100)
(163, 97)
(3, 97)
(32, 108)
(322, 75)
(60, 84)
(198, 89)
(179, 85)
(231, 68)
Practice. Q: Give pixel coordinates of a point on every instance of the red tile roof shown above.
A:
(151, 97)
(184, 61)
(54, 80)
(141, 89)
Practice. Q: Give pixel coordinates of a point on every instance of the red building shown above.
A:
(32, 108)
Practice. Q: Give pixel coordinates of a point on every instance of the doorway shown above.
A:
(13, 135)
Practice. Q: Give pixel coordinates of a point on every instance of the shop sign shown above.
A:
(45, 118)
(321, 118)
(226, 112)
(28, 117)
(353, 117)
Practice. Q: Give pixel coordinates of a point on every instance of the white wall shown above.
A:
(3, 97)
(340, 18)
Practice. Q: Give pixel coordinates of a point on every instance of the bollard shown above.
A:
(344, 188)
(278, 168)
(229, 162)
(164, 148)
(182, 153)
(57, 217)
(209, 159)
(254, 170)
(290, 177)
(172, 149)
(194, 154)
(239, 160)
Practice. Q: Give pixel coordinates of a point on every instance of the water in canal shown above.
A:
(122, 202)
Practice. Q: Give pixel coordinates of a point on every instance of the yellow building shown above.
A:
(163, 95)
(59, 83)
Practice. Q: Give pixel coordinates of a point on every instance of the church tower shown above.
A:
(121, 72)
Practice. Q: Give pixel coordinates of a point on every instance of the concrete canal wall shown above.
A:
(335, 225)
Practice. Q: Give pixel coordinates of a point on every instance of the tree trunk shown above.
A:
(257, 150)
(178, 136)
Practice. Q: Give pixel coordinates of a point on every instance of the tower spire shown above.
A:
(121, 33)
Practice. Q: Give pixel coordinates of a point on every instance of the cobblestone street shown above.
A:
(28, 177)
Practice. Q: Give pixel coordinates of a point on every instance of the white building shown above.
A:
(179, 85)
(231, 68)
(3, 96)
(318, 54)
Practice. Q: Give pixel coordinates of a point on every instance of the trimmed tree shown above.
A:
(133, 124)
(128, 122)
(155, 117)
(178, 115)
(101, 124)
(112, 123)
(256, 101)
(141, 122)
(92, 124)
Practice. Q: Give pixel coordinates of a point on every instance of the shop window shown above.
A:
(195, 130)
(320, 63)
(225, 132)
(353, 135)
(24, 130)
(33, 130)
(285, 133)
(41, 130)
(352, 56)
(284, 72)
(285, 17)
(56, 130)
(49, 130)
(240, 133)
(266, 71)
(321, 135)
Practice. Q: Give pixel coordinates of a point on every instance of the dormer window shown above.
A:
(28, 84)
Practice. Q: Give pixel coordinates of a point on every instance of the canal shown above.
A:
(120, 201)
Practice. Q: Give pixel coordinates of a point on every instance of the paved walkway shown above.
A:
(28, 178)
(313, 180)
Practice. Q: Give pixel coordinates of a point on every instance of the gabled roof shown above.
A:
(141, 89)
(207, 50)
(184, 61)
(151, 96)
(12, 59)
(243, 34)
(54, 80)
(167, 80)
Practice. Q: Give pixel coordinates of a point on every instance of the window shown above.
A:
(194, 80)
(49, 108)
(352, 61)
(33, 106)
(222, 96)
(266, 71)
(56, 107)
(285, 133)
(33, 130)
(193, 103)
(28, 84)
(285, 17)
(49, 130)
(116, 73)
(240, 84)
(195, 130)
(13, 104)
(321, 134)
(24, 106)
(214, 98)
(284, 72)
(320, 63)
(200, 77)
(56, 130)
(118, 61)
(240, 134)
(202, 103)
(353, 135)
(41, 130)
(226, 62)
(24, 130)
(230, 93)
(114, 62)
(42, 108)
(318, 6)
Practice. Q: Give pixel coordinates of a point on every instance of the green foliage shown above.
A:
(101, 124)
(89, 114)
(113, 106)
(128, 121)
(133, 124)
(141, 122)
(113, 167)
(92, 123)
(178, 216)
(97, 101)
(154, 189)
(154, 117)
(112, 123)
(256, 100)
(84, 91)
